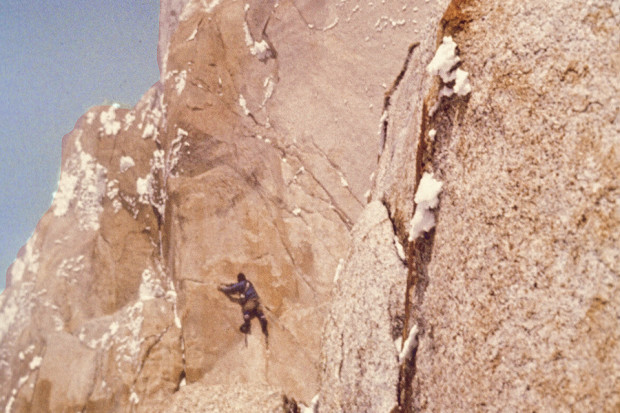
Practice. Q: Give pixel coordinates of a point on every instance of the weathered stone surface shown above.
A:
(254, 152)
(360, 364)
(516, 290)
(233, 397)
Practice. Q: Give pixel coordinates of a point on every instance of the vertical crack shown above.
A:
(388, 96)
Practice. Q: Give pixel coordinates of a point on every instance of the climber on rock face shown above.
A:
(250, 303)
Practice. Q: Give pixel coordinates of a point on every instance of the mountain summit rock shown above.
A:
(424, 195)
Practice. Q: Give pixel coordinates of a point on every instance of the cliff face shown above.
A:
(514, 292)
(472, 267)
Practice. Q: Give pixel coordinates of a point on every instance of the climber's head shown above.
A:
(240, 277)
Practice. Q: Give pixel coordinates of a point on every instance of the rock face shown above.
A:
(257, 152)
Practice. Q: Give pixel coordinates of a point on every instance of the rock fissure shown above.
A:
(388, 97)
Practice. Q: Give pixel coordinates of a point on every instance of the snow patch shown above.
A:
(109, 124)
(443, 64)
(35, 363)
(313, 408)
(150, 287)
(180, 81)
(134, 399)
(82, 186)
(426, 198)
(399, 249)
(150, 131)
(130, 117)
(126, 163)
(28, 262)
(410, 344)
(339, 270)
(71, 266)
(258, 49)
(244, 105)
(193, 35)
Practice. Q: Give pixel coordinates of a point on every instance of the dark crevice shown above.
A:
(388, 96)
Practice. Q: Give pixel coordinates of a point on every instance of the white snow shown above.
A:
(114, 328)
(258, 49)
(331, 26)
(269, 85)
(193, 35)
(144, 188)
(462, 86)
(117, 205)
(426, 198)
(90, 117)
(313, 408)
(108, 121)
(339, 270)
(210, 6)
(399, 249)
(126, 163)
(28, 262)
(244, 105)
(343, 181)
(134, 399)
(82, 186)
(179, 81)
(443, 64)
(150, 287)
(149, 131)
(410, 344)
(432, 133)
(35, 363)
(130, 117)
(297, 211)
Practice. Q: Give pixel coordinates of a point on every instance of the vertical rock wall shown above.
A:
(257, 152)
(514, 292)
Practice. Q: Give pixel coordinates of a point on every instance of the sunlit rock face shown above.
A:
(423, 193)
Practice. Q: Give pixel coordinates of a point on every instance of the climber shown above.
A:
(250, 303)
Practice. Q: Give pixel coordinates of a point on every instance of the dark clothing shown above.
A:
(250, 305)
(245, 288)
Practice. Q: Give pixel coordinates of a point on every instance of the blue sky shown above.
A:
(57, 59)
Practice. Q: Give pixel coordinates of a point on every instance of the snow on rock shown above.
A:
(258, 49)
(134, 399)
(126, 162)
(410, 344)
(109, 124)
(150, 131)
(180, 81)
(244, 105)
(444, 60)
(71, 266)
(150, 287)
(35, 363)
(399, 249)
(443, 64)
(81, 187)
(193, 35)
(426, 198)
(29, 261)
(130, 117)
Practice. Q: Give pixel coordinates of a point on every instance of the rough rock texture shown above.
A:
(254, 152)
(234, 397)
(360, 358)
(516, 291)
(234, 161)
